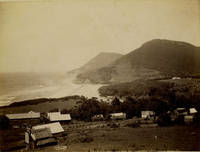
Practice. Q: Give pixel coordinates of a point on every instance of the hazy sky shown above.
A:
(59, 35)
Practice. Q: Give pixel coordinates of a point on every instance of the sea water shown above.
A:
(16, 87)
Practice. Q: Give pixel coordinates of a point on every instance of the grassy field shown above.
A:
(11, 139)
(124, 138)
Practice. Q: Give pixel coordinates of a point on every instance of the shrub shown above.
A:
(164, 120)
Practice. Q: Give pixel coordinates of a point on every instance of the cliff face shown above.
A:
(101, 60)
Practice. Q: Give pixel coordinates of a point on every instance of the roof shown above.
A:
(53, 113)
(23, 115)
(58, 117)
(54, 127)
(148, 112)
(180, 109)
(117, 114)
(193, 110)
(40, 133)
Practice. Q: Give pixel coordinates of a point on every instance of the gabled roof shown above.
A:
(23, 115)
(54, 127)
(40, 133)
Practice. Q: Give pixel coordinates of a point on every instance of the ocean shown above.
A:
(15, 87)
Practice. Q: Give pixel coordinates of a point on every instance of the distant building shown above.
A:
(97, 117)
(181, 111)
(54, 127)
(39, 137)
(147, 114)
(188, 119)
(118, 116)
(57, 116)
(176, 78)
(20, 119)
(192, 111)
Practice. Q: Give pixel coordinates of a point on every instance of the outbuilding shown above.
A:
(39, 137)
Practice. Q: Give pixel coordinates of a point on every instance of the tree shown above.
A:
(4, 122)
(116, 105)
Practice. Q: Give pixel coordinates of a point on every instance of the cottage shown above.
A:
(39, 137)
(118, 116)
(147, 114)
(20, 119)
(54, 127)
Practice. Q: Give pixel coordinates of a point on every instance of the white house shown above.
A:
(118, 116)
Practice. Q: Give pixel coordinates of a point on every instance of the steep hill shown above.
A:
(99, 61)
(154, 59)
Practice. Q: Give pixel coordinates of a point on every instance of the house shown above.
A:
(118, 116)
(147, 114)
(55, 127)
(21, 119)
(39, 137)
(97, 117)
(57, 116)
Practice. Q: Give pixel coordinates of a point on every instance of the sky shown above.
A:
(60, 35)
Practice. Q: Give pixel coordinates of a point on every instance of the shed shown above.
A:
(117, 116)
(38, 137)
(54, 127)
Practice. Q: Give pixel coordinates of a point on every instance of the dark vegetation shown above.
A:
(4, 122)
(158, 95)
(42, 100)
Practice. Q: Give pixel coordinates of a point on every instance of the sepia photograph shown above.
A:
(99, 75)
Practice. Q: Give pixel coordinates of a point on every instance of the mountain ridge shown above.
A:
(154, 59)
